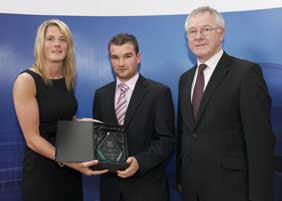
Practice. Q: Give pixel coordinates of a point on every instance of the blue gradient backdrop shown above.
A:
(253, 35)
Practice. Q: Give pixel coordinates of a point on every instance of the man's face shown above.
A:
(204, 36)
(124, 60)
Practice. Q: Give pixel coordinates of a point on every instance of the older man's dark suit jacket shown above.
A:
(149, 124)
(226, 153)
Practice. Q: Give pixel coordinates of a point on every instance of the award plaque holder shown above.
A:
(80, 141)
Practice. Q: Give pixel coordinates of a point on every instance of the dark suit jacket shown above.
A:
(149, 124)
(226, 153)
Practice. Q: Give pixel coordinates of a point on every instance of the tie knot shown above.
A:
(123, 87)
(202, 67)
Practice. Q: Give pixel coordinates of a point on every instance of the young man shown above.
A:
(225, 139)
(145, 109)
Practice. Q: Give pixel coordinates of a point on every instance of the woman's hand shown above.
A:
(84, 167)
(88, 119)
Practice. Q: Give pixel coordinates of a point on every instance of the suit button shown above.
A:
(194, 135)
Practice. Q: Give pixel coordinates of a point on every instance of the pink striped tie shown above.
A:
(121, 103)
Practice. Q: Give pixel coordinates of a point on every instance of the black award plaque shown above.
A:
(110, 146)
(79, 141)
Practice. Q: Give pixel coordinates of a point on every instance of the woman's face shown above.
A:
(55, 45)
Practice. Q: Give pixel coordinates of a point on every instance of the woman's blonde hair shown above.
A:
(68, 68)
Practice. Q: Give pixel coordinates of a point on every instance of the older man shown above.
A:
(225, 139)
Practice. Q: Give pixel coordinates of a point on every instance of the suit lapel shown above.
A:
(186, 100)
(217, 76)
(136, 98)
(111, 99)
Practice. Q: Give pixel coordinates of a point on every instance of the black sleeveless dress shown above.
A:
(44, 179)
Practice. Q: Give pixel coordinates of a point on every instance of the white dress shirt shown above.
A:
(208, 71)
(131, 84)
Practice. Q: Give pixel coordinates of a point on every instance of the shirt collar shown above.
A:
(130, 83)
(212, 62)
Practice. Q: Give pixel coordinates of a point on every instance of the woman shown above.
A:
(44, 94)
